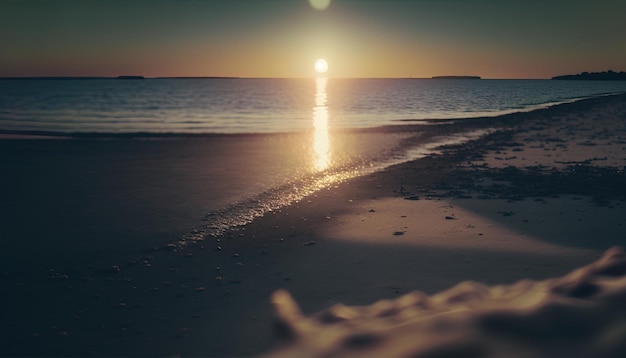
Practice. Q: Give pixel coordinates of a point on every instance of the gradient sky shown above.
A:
(282, 38)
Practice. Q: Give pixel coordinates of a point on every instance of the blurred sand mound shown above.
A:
(582, 314)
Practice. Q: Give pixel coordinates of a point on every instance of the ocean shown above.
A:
(268, 105)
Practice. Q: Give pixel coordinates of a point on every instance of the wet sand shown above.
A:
(468, 213)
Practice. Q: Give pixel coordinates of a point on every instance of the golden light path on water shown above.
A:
(321, 141)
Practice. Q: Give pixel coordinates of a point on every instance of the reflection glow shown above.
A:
(321, 141)
(319, 4)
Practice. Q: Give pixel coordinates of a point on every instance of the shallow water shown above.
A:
(86, 202)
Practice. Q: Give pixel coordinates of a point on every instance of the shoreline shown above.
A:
(419, 225)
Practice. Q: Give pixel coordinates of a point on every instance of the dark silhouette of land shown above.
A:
(595, 76)
(130, 77)
(456, 77)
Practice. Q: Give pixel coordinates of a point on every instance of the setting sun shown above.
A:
(321, 66)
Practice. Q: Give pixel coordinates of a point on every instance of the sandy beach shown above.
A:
(89, 268)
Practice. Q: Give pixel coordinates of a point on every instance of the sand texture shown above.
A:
(551, 185)
(91, 265)
(578, 315)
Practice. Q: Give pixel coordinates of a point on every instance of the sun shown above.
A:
(321, 66)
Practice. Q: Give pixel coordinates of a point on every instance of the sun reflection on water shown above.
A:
(321, 141)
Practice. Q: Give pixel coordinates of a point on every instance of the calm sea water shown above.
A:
(267, 105)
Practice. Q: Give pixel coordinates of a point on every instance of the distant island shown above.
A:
(456, 77)
(130, 77)
(595, 76)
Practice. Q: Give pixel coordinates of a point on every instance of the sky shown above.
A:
(283, 38)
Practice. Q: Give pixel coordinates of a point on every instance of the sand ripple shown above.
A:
(581, 314)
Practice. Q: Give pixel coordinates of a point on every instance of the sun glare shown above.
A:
(321, 66)
(319, 4)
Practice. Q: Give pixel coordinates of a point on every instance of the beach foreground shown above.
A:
(540, 196)
(578, 315)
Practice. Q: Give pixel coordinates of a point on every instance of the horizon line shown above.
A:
(140, 77)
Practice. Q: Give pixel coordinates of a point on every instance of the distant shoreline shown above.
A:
(602, 76)
(594, 76)
(456, 78)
